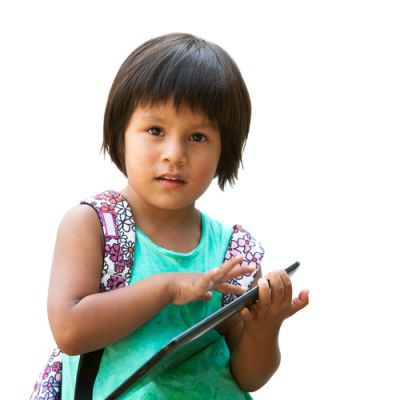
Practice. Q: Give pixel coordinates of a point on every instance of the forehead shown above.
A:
(167, 110)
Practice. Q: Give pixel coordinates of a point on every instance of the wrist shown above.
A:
(261, 334)
(170, 286)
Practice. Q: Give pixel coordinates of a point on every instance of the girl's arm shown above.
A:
(253, 338)
(82, 319)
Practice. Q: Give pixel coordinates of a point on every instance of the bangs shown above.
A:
(190, 74)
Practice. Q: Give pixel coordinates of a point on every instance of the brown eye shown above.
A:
(154, 131)
(198, 137)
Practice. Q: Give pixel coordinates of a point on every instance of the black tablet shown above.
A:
(189, 342)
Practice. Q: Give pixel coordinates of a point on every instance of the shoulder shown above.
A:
(81, 221)
(84, 220)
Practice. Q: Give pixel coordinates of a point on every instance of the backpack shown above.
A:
(118, 228)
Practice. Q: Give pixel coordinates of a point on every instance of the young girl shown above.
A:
(177, 116)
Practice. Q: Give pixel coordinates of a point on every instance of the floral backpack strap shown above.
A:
(118, 228)
(243, 243)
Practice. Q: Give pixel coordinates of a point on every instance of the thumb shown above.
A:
(300, 302)
(204, 296)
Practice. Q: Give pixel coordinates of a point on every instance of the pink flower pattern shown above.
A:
(107, 207)
(115, 282)
(253, 259)
(243, 243)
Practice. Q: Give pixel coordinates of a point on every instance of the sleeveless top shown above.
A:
(206, 375)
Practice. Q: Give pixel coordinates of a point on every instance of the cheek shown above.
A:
(208, 166)
(137, 153)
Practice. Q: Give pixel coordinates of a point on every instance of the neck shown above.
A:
(178, 230)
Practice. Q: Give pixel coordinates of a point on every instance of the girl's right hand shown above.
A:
(195, 286)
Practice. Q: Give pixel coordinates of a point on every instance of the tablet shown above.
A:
(189, 342)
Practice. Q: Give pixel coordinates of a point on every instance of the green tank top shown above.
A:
(206, 375)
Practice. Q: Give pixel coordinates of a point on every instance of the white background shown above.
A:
(321, 169)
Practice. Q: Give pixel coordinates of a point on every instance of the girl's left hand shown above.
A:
(275, 303)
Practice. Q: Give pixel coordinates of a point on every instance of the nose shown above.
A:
(174, 151)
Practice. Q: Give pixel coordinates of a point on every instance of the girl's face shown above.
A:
(171, 156)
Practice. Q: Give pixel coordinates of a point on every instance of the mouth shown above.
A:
(171, 179)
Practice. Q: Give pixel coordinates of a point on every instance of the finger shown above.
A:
(206, 282)
(229, 269)
(246, 314)
(277, 287)
(300, 302)
(264, 294)
(206, 296)
(287, 286)
(225, 287)
(215, 276)
(229, 265)
(239, 270)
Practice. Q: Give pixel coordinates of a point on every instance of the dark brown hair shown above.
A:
(192, 72)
